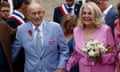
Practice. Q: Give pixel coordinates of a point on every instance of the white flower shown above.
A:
(91, 53)
(94, 48)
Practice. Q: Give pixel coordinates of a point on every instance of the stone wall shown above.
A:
(49, 6)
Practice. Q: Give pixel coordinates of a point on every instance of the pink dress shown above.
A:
(102, 34)
(117, 40)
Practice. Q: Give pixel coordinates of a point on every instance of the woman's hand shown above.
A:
(97, 58)
(109, 49)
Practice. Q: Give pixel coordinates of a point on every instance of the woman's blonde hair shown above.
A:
(96, 14)
(68, 18)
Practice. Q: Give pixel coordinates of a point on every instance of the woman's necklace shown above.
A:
(89, 33)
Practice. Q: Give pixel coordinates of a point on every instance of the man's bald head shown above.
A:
(34, 5)
(35, 13)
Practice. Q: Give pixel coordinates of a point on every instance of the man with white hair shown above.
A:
(44, 43)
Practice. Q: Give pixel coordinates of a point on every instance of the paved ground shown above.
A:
(49, 6)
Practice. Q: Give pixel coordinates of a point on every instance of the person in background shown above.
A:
(18, 18)
(109, 12)
(117, 37)
(69, 7)
(44, 43)
(18, 15)
(91, 26)
(68, 23)
(6, 33)
(4, 10)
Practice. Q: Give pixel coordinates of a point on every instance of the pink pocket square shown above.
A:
(51, 41)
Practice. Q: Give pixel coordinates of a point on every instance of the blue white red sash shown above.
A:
(63, 9)
(20, 18)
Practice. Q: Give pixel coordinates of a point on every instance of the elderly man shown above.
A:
(44, 43)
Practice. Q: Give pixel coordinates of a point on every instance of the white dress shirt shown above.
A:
(73, 6)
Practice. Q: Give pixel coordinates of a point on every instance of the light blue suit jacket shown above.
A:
(55, 51)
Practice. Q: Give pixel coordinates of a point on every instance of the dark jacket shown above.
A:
(57, 17)
(6, 33)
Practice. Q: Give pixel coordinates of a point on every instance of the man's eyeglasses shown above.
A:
(5, 10)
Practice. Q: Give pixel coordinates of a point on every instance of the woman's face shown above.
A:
(87, 16)
(70, 26)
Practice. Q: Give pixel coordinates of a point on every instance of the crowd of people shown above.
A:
(83, 37)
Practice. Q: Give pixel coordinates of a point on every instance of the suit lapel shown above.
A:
(31, 37)
(76, 9)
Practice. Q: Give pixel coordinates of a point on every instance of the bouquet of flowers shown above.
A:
(94, 48)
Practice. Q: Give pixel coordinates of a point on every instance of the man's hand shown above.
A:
(60, 70)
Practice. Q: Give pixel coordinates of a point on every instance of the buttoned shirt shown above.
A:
(72, 7)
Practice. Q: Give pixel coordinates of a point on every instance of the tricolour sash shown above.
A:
(63, 9)
(18, 17)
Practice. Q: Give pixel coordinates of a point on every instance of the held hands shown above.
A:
(109, 49)
(97, 58)
(59, 70)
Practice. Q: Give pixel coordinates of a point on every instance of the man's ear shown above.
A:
(23, 5)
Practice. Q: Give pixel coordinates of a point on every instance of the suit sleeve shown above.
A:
(57, 16)
(16, 46)
(109, 58)
(73, 60)
(63, 49)
(12, 22)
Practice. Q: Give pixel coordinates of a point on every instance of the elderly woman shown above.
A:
(91, 27)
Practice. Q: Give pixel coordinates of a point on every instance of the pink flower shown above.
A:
(30, 32)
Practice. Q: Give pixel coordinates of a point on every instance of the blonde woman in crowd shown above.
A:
(68, 23)
(91, 27)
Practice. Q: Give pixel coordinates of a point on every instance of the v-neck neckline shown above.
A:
(93, 35)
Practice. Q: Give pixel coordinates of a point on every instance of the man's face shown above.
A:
(24, 8)
(100, 4)
(69, 2)
(4, 12)
(36, 15)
